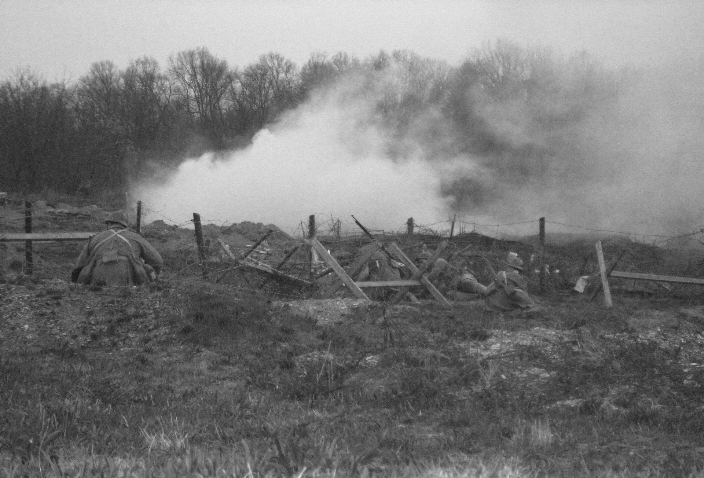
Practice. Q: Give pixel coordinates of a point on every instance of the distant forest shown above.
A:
(92, 135)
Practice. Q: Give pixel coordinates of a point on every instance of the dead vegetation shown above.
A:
(249, 377)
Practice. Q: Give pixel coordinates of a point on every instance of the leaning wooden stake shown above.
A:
(604, 278)
(353, 270)
(288, 256)
(419, 274)
(199, 243)
(337, 268)
(257, 244)
(28, 243)
(597, 287)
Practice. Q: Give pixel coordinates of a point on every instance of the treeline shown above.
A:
(95, 133)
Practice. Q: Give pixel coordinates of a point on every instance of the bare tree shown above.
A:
(317, 72)
(35, 135)
(202, 81)
(100, 93)
(147, 101)
(266, 89)
(321, 71)
(102, 139)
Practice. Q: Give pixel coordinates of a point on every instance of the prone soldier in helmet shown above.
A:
(117, 256)
(509, 290)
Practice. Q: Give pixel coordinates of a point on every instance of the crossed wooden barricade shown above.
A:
(345, 277)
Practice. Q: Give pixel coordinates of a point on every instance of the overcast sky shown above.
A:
(59, 39)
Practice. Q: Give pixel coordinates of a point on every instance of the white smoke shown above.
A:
(325, 158)
(632, 165)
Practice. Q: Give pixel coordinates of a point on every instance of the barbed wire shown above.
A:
(672, 238)
(625, 233)
(345, 227)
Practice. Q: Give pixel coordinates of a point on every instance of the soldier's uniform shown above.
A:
(117, 256)
(512, 295)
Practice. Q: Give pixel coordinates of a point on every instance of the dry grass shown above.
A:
(193, 378)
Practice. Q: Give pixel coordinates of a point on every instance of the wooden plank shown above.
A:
(389, 283)
(354, 269)
(597, 287)
(227, 250)
(604, 278)
(657, 278)
(45, 236)
(315, 244)
(253, 263)
(418, 274)
(256, 244)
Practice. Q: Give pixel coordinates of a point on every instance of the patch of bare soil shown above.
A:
(187, 339)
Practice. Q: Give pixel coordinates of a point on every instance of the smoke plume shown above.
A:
(568, 141)
(327, 158)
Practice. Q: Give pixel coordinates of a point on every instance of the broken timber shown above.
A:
(418, 278)
(351, 285)
(612, 266)
(246, 261)
(354, 269)
(604, 275)
(610, 272)
(45, 236)
(657, 278)
(418, 274)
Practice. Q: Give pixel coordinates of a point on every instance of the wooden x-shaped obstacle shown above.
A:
(417, 279)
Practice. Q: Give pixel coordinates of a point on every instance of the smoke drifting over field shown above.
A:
(325, 158)
(573, 143)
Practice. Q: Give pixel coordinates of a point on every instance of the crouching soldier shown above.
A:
(510, 293)
(117, 256)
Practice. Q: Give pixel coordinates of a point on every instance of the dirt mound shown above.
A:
(253, 231)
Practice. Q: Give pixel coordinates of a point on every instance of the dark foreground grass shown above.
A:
(237, 388)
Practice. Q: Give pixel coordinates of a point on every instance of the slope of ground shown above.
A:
(198, 378)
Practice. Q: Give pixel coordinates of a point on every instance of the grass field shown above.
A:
(193, 378)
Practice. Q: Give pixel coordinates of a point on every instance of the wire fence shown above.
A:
(680, 253)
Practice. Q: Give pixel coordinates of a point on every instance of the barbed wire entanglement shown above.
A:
(567, 247)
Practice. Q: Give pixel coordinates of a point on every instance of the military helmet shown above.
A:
(117, 217)
(514, 261)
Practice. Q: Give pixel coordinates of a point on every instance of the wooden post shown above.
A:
(597, 287)
(313, 256)
(409, 226)
(541, 254)
(199, 243)
(29, 260)
(452, 226)
(604, 278)
(139, 217)
(311, 226)
(341, 273)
